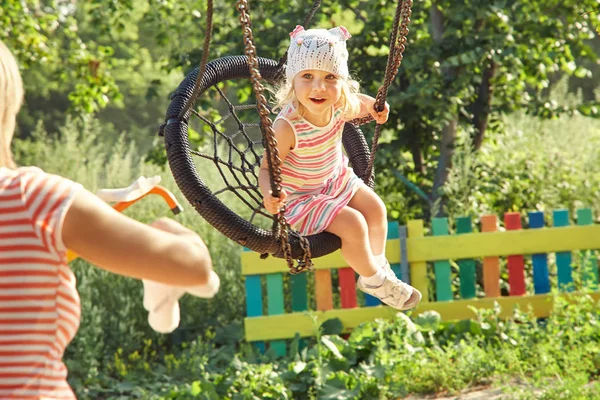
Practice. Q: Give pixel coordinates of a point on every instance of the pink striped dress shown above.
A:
(315, 173)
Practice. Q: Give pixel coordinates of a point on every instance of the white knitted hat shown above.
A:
(319, 49)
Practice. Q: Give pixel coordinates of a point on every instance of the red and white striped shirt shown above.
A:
(39, 304)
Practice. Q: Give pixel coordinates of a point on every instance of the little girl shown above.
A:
(319, 189)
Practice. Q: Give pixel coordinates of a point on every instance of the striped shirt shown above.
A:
(315, 174)
(39, 304)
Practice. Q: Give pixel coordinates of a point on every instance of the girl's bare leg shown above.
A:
(372, 208)
(351, 226)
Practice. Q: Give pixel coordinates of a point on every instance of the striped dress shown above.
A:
(39, 304)
(315, 174)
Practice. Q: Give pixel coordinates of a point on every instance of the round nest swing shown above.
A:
(237, 138)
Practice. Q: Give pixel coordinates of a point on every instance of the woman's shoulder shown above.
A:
(21, 173)
(34, 181)
(28, 173)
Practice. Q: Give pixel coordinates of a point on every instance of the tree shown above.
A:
(469, 62)
(44, 36)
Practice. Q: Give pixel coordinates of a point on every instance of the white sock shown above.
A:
(380, 259)
(376, 280)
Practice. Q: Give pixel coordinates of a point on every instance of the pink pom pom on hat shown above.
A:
(320, 49)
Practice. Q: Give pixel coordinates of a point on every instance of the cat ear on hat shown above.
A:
(340, 32)
(297, 30)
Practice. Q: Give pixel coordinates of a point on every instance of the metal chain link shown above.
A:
(309, 17)
(398, 43)
(273, 160)
(397, 47)
(203, 62)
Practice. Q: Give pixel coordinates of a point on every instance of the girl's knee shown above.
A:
(350, 224)
(376, 213)
(380, 208)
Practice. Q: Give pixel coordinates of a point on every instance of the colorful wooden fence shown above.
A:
(409, 251)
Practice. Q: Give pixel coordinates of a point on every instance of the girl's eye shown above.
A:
(331, 77)
(307, 76)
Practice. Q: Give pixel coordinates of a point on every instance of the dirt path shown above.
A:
(472, 394)
(475, 394)
(507, 391)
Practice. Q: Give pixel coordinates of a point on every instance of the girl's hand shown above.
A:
(382, 116)
(274, 204)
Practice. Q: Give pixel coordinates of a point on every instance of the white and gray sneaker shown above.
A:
(393, 291)
(416, 295)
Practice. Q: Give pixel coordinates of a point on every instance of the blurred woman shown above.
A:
(41, 215)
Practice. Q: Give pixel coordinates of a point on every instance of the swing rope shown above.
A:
(397, 47)
(204, 60)
(280, 225)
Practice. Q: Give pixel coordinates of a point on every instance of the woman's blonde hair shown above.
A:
(349, 101)
(11, 98)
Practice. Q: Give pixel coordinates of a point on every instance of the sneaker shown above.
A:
(392, 292)
(415, 297)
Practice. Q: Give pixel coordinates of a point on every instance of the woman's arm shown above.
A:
(166, 252)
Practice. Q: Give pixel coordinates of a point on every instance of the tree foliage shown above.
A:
(466, 64)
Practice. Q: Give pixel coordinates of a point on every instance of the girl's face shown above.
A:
(317, 91)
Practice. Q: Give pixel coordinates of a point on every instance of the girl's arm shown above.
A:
(367, 104)
(285, 137)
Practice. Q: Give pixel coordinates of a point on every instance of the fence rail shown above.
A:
(410, 251)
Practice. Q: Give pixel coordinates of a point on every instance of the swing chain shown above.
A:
(397, 47)
(309, 17)
(399, 44)
(305, 263)
(274, 162)
(203, 62)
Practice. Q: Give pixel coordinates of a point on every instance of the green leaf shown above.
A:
(332, 326)
(336, 389)
(332, 347)
(196, 388)
(299, 366)
(428, 320)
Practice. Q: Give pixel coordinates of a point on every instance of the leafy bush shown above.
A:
(382, 360)
(534, 165)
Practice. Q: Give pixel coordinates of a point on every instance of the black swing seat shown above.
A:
(204, 201)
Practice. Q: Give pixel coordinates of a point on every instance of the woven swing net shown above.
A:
(215, 142)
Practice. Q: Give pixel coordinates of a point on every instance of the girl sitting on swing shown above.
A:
(320, 191)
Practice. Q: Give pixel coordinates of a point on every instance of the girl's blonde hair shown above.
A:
(11, 98)
(349, 101)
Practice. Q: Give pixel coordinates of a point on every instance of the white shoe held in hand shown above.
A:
(162, 303)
